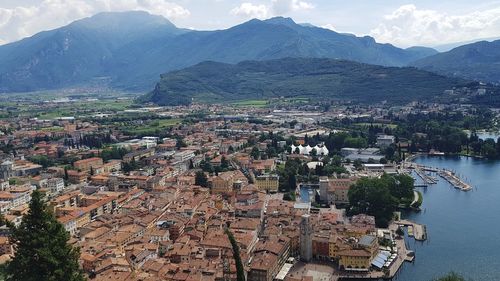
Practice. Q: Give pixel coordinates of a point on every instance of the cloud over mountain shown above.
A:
(22, 21)
(273, 8)
(408, 25)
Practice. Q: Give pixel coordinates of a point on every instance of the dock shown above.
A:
(447, 175)
(418, 231)
(426, 178)
(454, 180)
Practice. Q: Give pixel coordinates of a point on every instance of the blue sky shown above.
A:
(403, 23)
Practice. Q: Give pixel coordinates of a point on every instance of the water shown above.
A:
(463, 227)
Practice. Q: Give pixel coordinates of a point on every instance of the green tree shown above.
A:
(255, 153)
(224, 164)
(240, 271)
(201, 179)
(372, 196)
(42, 249)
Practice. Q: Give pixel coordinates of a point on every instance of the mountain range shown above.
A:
(314, 78)
(130, 50)
(477, 61)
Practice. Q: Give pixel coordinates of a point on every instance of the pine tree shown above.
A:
(240, 270)
(41, 247)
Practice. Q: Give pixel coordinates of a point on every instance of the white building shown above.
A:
(385, 140)
(55, 185)
(306, 150)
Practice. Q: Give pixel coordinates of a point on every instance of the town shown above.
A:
(162, 193)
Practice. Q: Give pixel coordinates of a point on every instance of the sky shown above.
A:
(402, 23)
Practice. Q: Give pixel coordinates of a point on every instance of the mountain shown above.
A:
(130, 50)
(319, 79)
(478, 61)
(450, 46)
(76, 53)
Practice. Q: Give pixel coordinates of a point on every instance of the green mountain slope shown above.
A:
(130, 50)
(478, 61)
(321, 79)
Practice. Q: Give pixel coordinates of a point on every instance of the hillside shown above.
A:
(130, 50)
(478, 61)
(77, 53)
(324, 79)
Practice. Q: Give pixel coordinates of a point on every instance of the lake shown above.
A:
(463, 227)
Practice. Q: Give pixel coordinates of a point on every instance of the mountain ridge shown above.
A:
(137, 47)
(316, 78)
(477, 61)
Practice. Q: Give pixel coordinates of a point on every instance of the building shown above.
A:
(359, 257)
(335, 191)
(385, 140)
(6, 170)
(306, 150)
(268, 183)
(306, 233)
(88, 164)
(138, 155)
(224, 182)
(55, 185)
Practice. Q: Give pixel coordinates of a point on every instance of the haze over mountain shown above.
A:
(478, 61)
(130, 50)
(451, 46)
(318, 79)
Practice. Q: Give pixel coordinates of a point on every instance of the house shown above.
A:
(384, 141)
(88, 164)
(267, 182)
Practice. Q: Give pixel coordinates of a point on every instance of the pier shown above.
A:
(418, 231)
(454, 180)
(447, 175)
(426, 178)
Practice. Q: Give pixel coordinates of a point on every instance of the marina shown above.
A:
(448, 175)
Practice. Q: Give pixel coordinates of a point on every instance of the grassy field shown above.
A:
(83, 108)
(392, 126)
(251, 103)
(152, 127)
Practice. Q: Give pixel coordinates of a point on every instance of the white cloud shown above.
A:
(274, 8)
(23, 21)
(249, 10)
(408, 26)
(330, 26)
(281, 7)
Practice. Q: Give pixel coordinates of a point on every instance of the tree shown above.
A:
(240, 271)
(66, 177)
(400, 231)
(255, 153)
(224, 164)
(372, 196)
(358, 165)
(42, 249)
(201, 179)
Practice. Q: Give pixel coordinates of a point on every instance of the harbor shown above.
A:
(448, 175)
